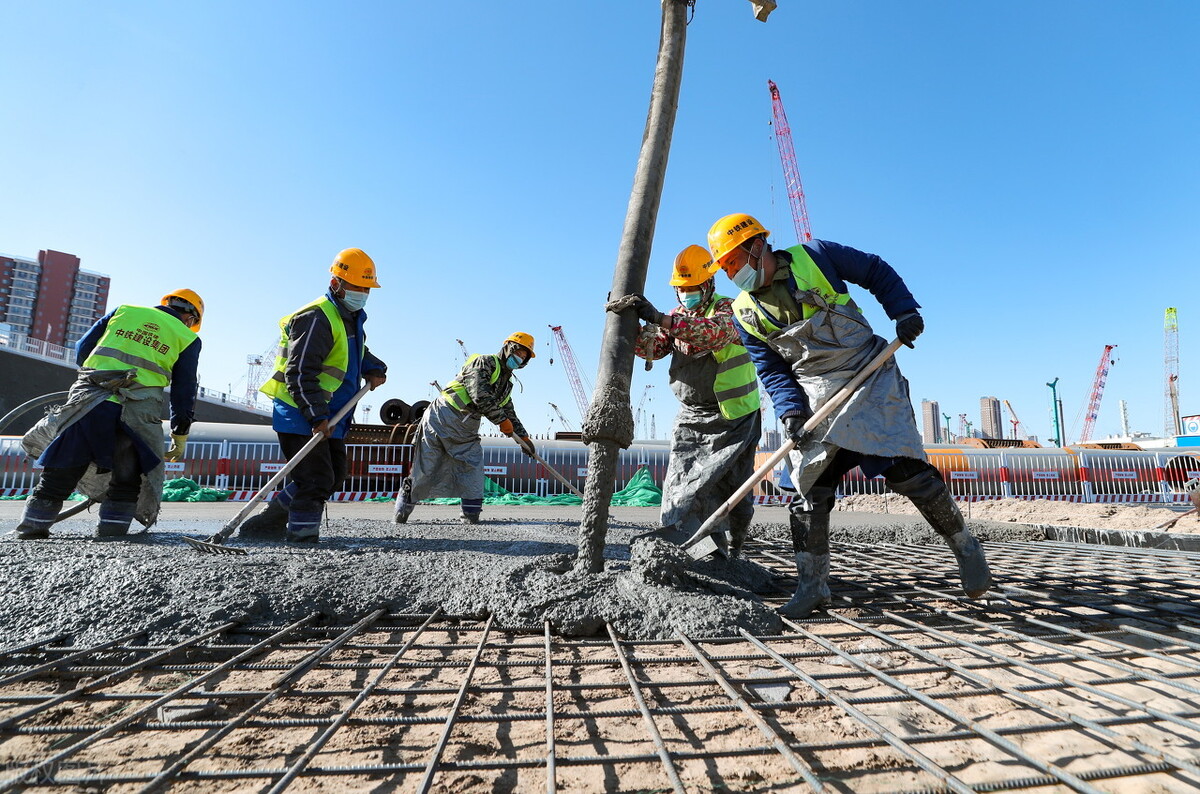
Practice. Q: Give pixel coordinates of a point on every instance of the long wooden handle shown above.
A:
(317, 438)
(762, 471)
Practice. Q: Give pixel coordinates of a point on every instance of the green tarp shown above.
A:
(639, 492)
(185, 490)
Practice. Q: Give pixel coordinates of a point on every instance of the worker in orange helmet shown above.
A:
(807, 338)
(447, 456)
(718, 425)
(107, 440)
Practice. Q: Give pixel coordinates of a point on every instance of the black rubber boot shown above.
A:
(304, 527)
(115, 518)
(270, 522)
(810, 541)
(404, 505)
(932, 498)
(471, 510)
(39, 516)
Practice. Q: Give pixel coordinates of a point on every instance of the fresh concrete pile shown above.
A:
(519, 571)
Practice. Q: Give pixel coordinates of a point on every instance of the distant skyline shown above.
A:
(1030, 170)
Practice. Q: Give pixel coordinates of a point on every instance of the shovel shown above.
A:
(552, 470)
(214, 544)
(701, 544)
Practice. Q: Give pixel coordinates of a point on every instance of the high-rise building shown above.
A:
(931, 424)
(50, 298)
(991, 425)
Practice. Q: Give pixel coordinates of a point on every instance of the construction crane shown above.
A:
(1171, 371)
(1093, 406)
(573, 376)
(463, 348)
(948, 434)
(637, 416)
(791, 170)
(1016, 420)
(565, 423)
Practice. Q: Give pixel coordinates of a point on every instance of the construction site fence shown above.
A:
(375, 470)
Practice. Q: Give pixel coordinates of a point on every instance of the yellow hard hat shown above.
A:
(693, 266)
(354, 267)
(189, 297)
(731, 231)
(524, 340)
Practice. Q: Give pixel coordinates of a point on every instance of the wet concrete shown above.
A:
(517, 565)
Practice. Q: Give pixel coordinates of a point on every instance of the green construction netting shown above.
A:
(185, 490)
(75, 497)
(639, 492)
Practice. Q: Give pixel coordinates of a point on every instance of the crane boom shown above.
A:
(1093, 408)
(573, 376)
(1171, 373)
(1016, 420)
(791, 169)
(565, 422)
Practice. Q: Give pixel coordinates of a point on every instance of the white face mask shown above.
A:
(749, 278)
(690, 300)
(354, 300)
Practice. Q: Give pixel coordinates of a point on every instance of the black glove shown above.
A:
(909, 327)
(646, 311)
(793, 425)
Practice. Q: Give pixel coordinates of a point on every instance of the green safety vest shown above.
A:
(144, 339)
(456, 392)
(736, 385)
(333, 368)
(809, 277)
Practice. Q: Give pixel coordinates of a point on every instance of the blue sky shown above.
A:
(1031, 169)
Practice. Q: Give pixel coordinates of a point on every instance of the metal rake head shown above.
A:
(212, 546)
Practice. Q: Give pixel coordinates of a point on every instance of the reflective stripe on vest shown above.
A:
(456, 392)
(809, 278)
(143, 339)
(736, 385)
(333, 368)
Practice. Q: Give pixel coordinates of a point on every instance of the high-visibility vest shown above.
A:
(456, 392)
(143, 339)
(736, 385)
(333, 368)
(809, 277)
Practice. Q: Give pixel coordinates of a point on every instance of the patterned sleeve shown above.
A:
(475, 377)
(659, 346)
(707, 333)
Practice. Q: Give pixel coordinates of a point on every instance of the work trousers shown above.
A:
(57, 483)
(845, 460)
(319, 475)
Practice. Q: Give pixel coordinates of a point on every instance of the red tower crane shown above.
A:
(1016, 420)
(1093, 408)
(573, 376)
(791, 170)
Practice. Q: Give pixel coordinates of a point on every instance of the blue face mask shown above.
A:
(354, 300)
(690, 300)
(515, 362)
(748, 278)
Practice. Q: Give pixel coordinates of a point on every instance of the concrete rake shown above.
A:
(701, 544)
(215, 544)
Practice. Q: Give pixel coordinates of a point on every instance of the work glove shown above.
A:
(644, 308)
(909, 327)
(506, 427)
(793, 425)
(178, 445)
(527, 446)
(322, 428)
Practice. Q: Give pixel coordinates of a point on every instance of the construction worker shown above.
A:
(718, 425)
(322, 359)
(107, 440)
(807, 338)
(447, 456)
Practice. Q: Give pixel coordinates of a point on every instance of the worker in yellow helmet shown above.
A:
(808, 338)
(107, 440)
(323, 358)
(718, 425)
(447, 456)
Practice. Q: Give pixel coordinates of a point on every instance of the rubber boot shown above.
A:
(471, 510)
(303, 526)
(932, 498)
(271, 521)
(810, 541)
(404, 504)
(115, 518)
(39, 516)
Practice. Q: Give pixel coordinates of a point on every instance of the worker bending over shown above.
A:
(322, 359)
(447, 455)
(718, 425)
(807, 339)
(107, 439)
